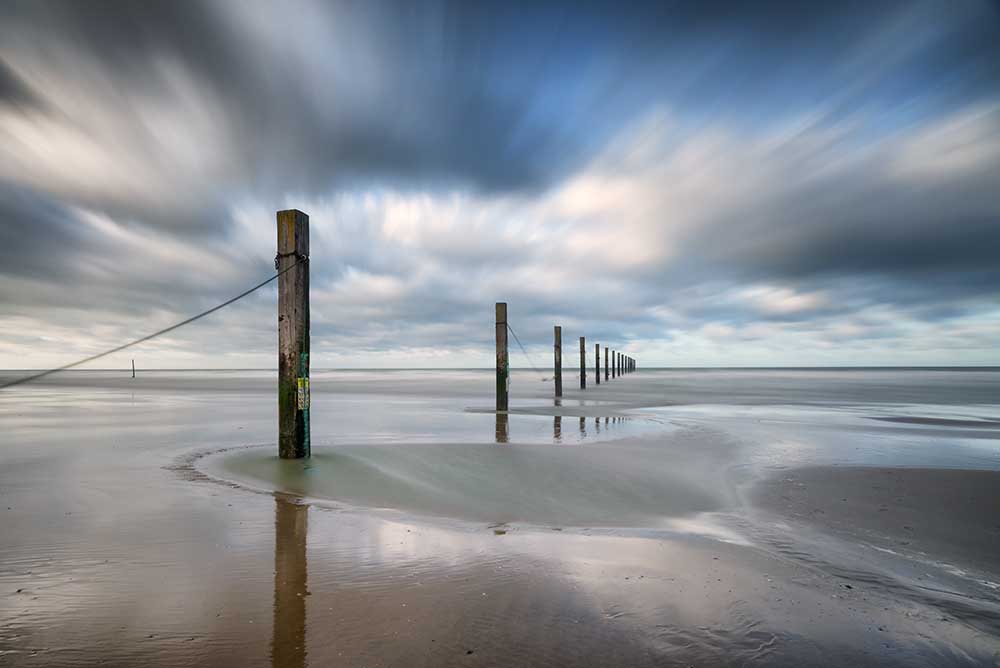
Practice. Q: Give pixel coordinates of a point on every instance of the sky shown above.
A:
(698, 184)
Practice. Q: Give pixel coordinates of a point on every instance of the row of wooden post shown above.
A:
(615, 363)
(292, 265)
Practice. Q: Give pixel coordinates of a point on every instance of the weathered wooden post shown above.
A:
(503, 359)
(133, 368)
(292, 263)
(597, 363)
(614, 364)
(606, 363)
(557, 360)
(583, 364)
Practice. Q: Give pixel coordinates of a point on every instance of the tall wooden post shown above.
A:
(503, 359)
(557, 360)
(597, 363)
(614, 364)
(583, 363)
(606, 363)
(293, 334)
(133, 368)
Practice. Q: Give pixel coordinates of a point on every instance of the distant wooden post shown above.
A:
(583, 364)
(133, 368)
(597, 363)
(503, 359)
(293, 334)
(557, 360)
(606, 376)
(614, 364)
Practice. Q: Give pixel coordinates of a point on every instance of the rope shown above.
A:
(238, 297)
(544, 378)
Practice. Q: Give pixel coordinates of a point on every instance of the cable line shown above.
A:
(238, 297)
(544, 378)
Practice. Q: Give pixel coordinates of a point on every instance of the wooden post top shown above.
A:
(293, 232)
(501, 311)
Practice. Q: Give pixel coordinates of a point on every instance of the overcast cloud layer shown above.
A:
(697, 183)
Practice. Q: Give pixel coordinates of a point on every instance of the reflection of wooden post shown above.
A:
(503, 359)
(288, 635)
(557, 360)
(597, 363)
(557, 427)
(583, 364)
(293, 334)
(503, 428)
(606, 363)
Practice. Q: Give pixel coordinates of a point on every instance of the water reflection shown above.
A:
(557, 428)
(503, 428)
(288, 639)
(583, 427)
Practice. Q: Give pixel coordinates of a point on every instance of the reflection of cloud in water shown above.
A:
(629, 482)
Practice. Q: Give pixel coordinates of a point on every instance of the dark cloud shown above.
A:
(13, 90)
(138, 136)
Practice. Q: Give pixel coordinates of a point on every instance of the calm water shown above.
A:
(139, 523)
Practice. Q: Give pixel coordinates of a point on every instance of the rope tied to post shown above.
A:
(301, 257)
(171, 328)
(525, 352)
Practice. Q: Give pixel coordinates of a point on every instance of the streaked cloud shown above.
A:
(707, 184)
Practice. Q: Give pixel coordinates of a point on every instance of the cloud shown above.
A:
(710, 183)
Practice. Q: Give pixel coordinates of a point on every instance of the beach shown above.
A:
(779, 517)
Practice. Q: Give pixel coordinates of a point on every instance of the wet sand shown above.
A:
(950, 515)
(144, 523)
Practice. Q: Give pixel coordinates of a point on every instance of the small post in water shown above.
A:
(133, 368)
(292, 262)
(606, 376)
(557, 360)
(583, 364)
(614, 364)
(597, 363)
(503, 359)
